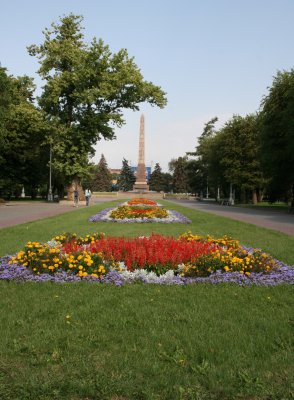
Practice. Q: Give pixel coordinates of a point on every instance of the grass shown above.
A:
(82, 341)
(105, 193)
(278, 206)
(146, 342)
(277, 244)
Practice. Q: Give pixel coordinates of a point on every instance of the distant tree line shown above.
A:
(252, 156)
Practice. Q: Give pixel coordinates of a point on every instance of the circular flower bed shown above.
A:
(129, 212)
(155, 259)
(140, 211)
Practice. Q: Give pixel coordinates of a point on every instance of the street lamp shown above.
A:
(50, 195)
(231, 198)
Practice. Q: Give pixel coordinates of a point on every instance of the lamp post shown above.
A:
(50, 195)
(231, 199)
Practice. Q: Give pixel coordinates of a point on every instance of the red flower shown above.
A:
(147, 252)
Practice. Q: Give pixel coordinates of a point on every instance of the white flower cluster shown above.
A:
(141, 275)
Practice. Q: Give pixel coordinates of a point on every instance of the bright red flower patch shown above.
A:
(146, 252)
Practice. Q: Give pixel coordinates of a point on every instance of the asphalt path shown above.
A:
(14, 213)
(276, 220)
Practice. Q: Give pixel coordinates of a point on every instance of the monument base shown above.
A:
(141, 187)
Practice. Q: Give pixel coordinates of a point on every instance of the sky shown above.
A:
(213, 58)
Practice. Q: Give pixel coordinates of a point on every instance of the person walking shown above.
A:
(76, 198)
(87, 196)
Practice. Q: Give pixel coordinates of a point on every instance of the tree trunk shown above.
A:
(254, 196)
(259, 195)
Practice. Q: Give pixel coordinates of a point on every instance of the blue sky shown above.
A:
(212, 57)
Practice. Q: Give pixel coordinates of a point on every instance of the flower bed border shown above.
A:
(20, 274)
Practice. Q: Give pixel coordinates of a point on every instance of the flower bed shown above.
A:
(139, 211)
(154, 259)
(131, 212)
(141, 201)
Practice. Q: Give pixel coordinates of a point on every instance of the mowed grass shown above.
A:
(146, 342)
(88, 341)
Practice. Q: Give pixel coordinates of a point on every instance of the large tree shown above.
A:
(199, 169)
(126, 178)
(277, 136)
(102, 180)
(23, 154)
(238, 155)
(86, 90)
(157, 179)
(178, 167)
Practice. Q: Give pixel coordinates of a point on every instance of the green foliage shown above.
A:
(277, 136)
(86, 90)
(157, 181)
(23, 129)
(126, 178)
(240, 157)
(180, 179)
(167, 182)
(230, 156)
(102, 179)
(199, 170)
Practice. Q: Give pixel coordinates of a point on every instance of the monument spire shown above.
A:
(141, 182)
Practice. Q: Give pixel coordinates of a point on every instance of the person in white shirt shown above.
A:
(87, 195)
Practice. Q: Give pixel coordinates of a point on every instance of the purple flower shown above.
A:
(283, 274)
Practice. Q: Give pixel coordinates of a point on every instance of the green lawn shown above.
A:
(83, 341)
(146, 342)
(278, 206)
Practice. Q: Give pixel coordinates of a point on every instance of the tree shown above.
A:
(23, 155)
(229, 156)
(239, 155)
(167, 182)
(126, 178)
(277, 136)
(199, 174)
(180, 180)
(157, 181)
(86, 90)
(102, 180)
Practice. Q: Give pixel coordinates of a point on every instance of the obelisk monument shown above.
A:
(141, 182)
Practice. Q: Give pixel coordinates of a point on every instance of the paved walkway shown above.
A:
(276, 220)
(14, 213)
(18, 212)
